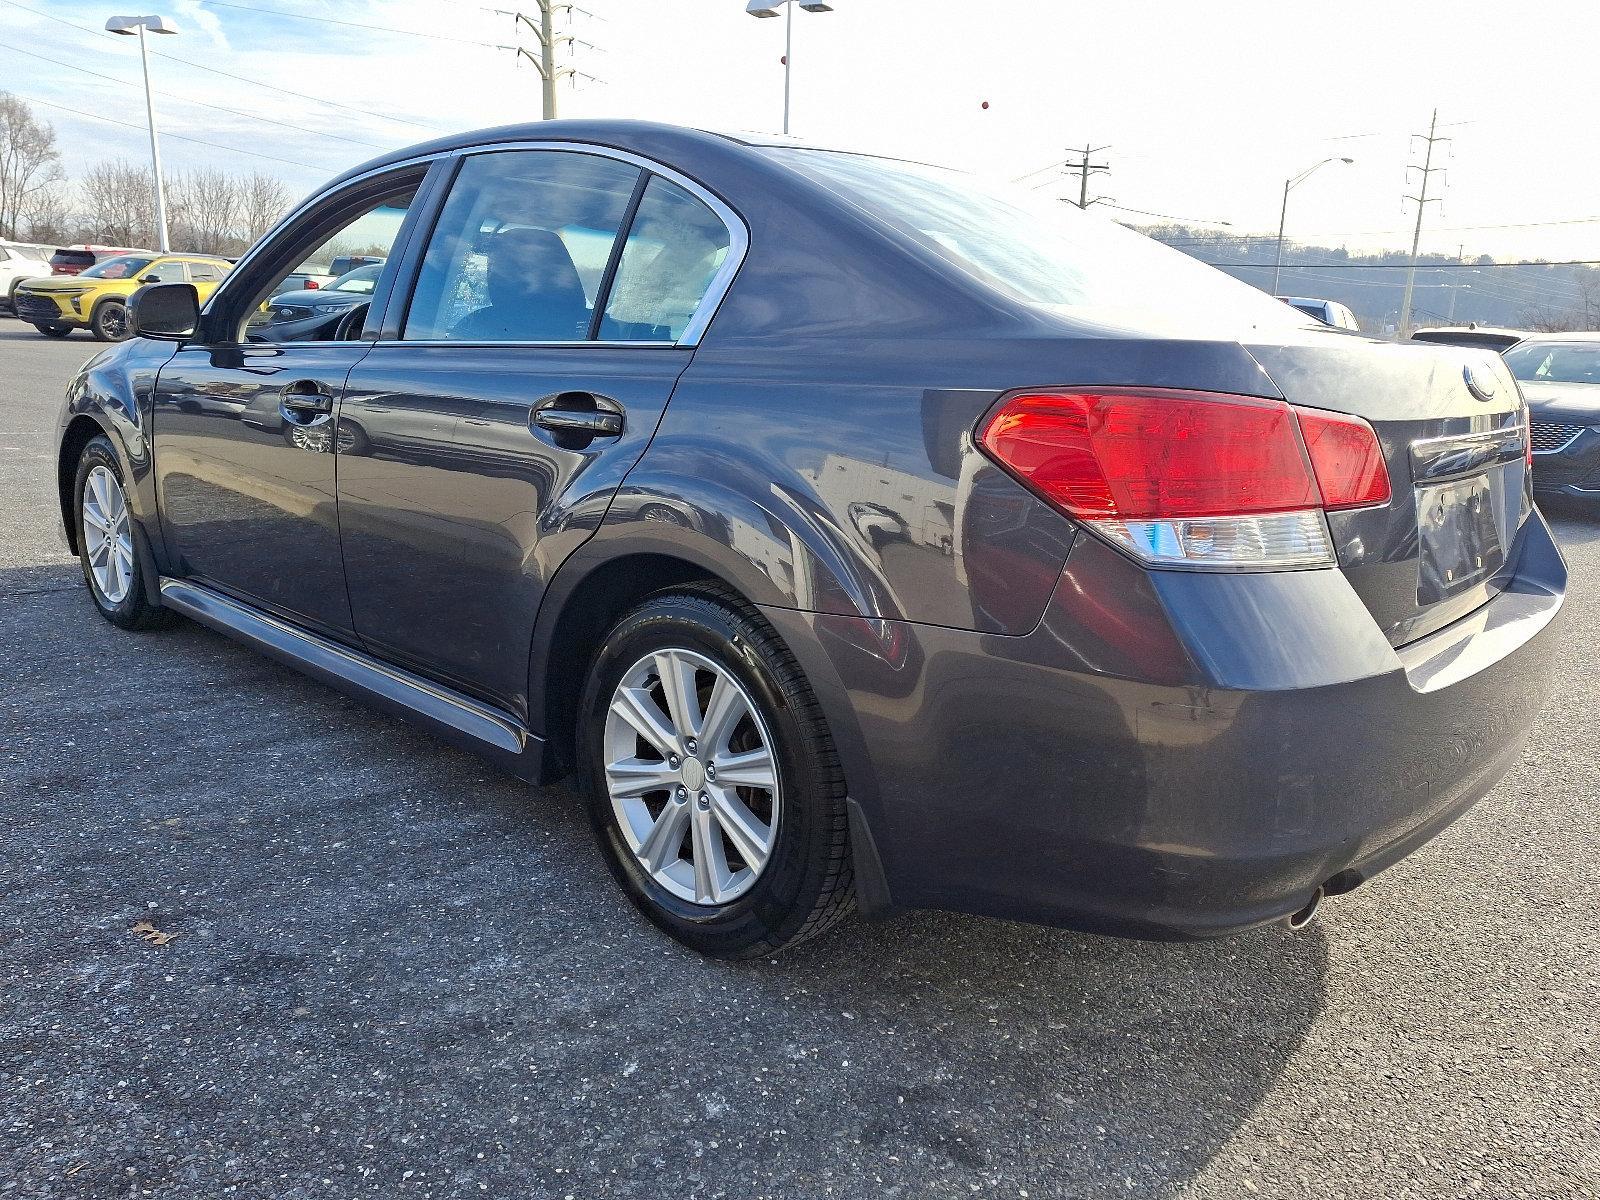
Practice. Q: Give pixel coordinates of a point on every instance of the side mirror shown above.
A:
(150, 278)
(168, 312)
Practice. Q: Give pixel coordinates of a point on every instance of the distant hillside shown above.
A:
(1523, 297)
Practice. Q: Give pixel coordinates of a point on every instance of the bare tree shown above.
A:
(48, 216)
(29, 161)
(119, 202)
(262, 200)
(208, 202)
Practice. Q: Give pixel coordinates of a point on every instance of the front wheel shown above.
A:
(110, 322)
(55, 331)
(110, 544)
(712, 782)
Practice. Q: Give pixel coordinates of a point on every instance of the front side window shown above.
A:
(675, 247)
(291, 309)
(520, 249)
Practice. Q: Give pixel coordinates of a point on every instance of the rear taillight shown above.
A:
(1192, 478)
(312, 285)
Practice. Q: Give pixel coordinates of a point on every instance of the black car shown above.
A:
(858, 534)
(1559, 374)
(304, 313)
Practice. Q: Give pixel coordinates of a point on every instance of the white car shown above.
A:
(19, 261)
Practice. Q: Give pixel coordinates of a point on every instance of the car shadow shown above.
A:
(374, 928)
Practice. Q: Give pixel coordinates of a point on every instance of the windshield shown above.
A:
(1555, 362)
(1044, 252)
(124, 266)
(362, 279)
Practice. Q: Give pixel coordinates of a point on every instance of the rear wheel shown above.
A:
(713, 784)
(110, 542)
(110, 322)
(57, 331)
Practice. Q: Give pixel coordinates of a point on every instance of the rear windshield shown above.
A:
(1555, 362)
(68, 257)
(1042, 251)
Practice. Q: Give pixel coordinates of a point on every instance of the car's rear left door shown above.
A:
(553, 307)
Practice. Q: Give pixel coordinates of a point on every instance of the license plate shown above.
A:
(1459, 538)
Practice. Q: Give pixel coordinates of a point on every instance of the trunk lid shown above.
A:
(1451, 423)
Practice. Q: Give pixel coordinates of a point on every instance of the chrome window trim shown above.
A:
(716, 290)
(569, 345)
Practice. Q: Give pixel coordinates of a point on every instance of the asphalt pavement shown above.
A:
(392, 972)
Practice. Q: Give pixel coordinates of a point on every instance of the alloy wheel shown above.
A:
(107, 535)
(692, 777)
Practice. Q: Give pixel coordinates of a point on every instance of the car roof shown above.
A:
(1569, 335)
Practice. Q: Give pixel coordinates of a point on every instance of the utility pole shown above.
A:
(1085, 166)
(542, 25)
(1461, 250)
(1422, 200)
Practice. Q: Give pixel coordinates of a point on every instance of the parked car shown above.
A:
(303, 313)
(20, 261)
(70, 260)
(1559, 374)
(345, 263)
(1262, 607)
(1487, 337)
(96, 298)
(1329, 312)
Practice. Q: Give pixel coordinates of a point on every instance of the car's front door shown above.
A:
(553, 309)
(243, 424)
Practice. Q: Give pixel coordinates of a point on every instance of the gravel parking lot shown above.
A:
(395, 973)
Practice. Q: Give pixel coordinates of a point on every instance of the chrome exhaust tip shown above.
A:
(1299, 920)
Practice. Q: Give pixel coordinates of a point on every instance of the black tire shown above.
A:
(134, 610)
(807, 883)
(110, 321)
(55, 331)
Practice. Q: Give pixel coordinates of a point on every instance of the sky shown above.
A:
(1206, 109)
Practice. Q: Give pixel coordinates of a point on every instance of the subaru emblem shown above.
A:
(1479, 382)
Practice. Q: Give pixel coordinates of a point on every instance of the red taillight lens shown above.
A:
(1192, 478)
(1347, 458)
(312, 285)
(1142, 455)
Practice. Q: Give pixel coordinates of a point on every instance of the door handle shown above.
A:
(583, 422)
(312, 403)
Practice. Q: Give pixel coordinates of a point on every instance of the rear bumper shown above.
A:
(1173, 755)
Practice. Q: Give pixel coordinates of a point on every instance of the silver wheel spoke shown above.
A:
(638, 777)
(107, 535)
(725, 708)
(710, 863)
(659, 850)
(753, 768)
(749, 836)
(678, 685)
(635, 706)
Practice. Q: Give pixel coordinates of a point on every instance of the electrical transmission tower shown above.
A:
(1085, 166)
(1421, 200)
(542, 25)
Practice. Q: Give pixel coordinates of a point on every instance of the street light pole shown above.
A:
(769, 8)
(1283, 213)
(130, 26)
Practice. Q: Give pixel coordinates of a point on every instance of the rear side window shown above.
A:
(167, 272)
(203, 272)
(520, 249)
(675, 247)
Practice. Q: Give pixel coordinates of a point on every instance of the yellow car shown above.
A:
(96, 298)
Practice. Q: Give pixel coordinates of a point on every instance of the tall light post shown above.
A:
(1283, 214)
(769, 8)
(138, 26)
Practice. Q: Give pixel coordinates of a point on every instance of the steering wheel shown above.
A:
(349, 327)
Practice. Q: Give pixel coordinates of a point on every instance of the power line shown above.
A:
(188, 100)
(302, 96)
(416, 33)
(1447, 265)
(179, 136)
